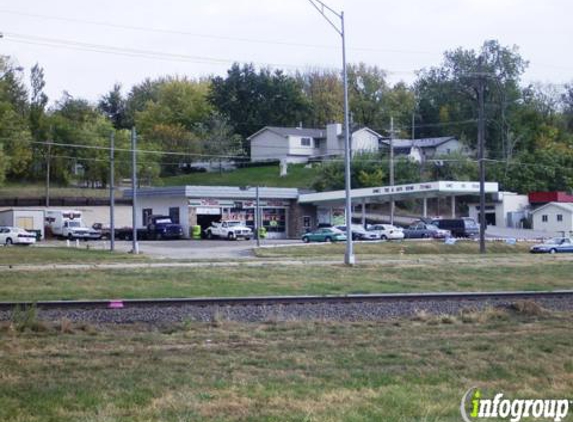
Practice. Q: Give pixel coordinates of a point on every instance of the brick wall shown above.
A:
(296, 215)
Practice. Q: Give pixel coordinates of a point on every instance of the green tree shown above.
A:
(113, 105)
(171, 120)
(367, 170)
(252, 100)
(447, 94)
(14, 125)
(367, 89)
(324, 91)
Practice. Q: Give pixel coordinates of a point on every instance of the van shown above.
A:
(459, 227)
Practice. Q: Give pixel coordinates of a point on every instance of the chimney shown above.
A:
(333, 144)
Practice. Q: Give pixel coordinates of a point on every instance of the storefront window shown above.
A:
(274, 219)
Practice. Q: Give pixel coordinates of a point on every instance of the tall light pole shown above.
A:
(112, 192)
(324, 10)
(392, 203)
(481, 154)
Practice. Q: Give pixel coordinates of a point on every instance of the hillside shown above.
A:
(298, 177)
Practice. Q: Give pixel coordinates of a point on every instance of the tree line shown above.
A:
(180, 120)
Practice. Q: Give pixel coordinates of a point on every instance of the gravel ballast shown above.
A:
(352, 311)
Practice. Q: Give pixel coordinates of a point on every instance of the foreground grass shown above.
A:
(32, 255)
(298, 177)
(388, 371)
(538, 274)
(393, 248)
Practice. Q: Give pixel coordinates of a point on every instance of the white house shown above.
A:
(554, 218)
(426, 148)
(299, 145)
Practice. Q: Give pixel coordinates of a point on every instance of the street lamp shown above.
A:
(323, 9)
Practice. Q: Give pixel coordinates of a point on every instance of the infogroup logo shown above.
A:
(475, 406)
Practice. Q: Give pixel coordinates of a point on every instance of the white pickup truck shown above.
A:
(231, 230)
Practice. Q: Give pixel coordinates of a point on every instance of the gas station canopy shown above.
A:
(423, 190)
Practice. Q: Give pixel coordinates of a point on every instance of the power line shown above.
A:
(210, 36)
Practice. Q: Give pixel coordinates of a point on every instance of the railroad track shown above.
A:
(389, 298)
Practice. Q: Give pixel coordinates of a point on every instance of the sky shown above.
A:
(85, 47)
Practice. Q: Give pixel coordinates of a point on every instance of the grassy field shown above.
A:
(395, 371)
(406, 248)
(20, 255)
(276, 279)
(298, 177)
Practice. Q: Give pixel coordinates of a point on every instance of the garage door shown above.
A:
(26, 223)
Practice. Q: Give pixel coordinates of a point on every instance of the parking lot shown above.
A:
(183, 249)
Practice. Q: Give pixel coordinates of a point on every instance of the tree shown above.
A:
(324, 92)
(14, 124)
(252, 100)
(113, 105)
(367, 90)
(171, 119)
(366, 171)
(447, 94)
(220, 143)
(3, 165)
(139, 96)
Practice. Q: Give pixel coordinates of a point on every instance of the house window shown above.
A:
(147, 212)
(174, 214)
(559, 217)
(305, 142)
(544, 218)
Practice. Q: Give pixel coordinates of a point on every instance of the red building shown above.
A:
(536, 198)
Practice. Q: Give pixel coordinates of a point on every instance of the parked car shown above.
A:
(325, 234)
(360, 233)
(421, 230)
(387, 231)
(555, 245)
(459, 227)
(16, 236)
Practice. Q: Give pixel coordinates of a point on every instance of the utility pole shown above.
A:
(135, 246)
(323, 9)
(48, 168)
(258, 216)
(112, 192)
(392, 203)
(481, 154)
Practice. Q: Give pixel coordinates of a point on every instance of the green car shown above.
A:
(324, 235)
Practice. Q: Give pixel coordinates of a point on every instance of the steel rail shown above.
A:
(288, 300)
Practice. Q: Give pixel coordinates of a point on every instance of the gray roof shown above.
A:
(566, 206)
(216, 192)
(420, 143)
(292, 131)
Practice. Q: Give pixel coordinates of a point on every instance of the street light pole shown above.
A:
(112, 192)
(349, 258)
(392, 203)
(481, 154)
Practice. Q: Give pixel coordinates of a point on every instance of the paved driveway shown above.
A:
(187, 249)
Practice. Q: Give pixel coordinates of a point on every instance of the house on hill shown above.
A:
(423, 149)
(300, 145)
